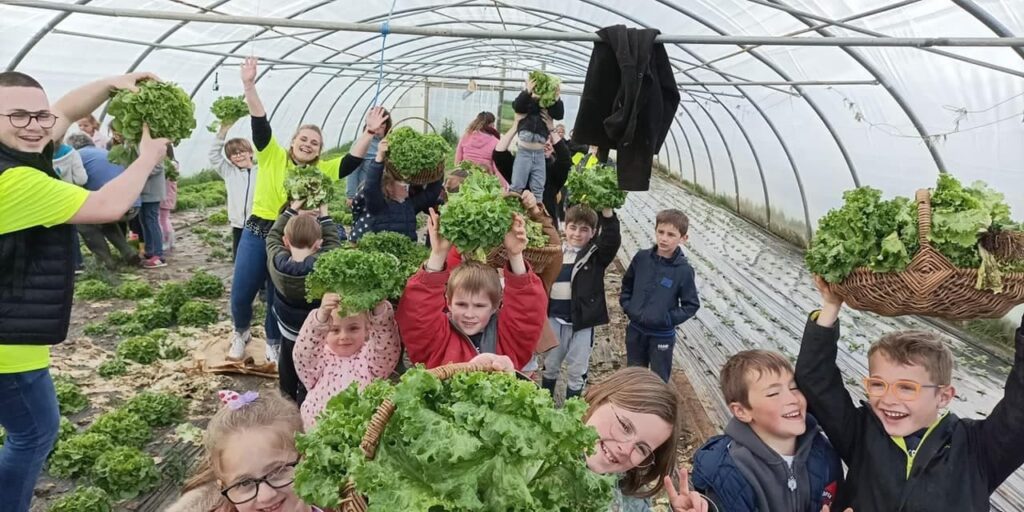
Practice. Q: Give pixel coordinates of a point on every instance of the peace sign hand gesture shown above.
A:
(687, 500)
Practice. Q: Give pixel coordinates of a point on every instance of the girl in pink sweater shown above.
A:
(477, 144)
(332, 352)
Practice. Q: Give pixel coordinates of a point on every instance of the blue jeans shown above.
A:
(354, 181)
(650, 351)
(151, 234)
(28, 411)
(250, 274)
(529, 169)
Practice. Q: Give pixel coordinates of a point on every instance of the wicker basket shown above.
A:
(351, 500)
(423, 177)
(538, 257)
(930, 285)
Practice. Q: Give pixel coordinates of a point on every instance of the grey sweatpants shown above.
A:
(574, 348)
(529, 170)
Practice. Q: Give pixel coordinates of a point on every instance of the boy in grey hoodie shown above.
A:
(233, 162)
(773, 456)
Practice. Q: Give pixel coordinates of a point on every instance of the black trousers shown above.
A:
(654, 352)
(236, 235)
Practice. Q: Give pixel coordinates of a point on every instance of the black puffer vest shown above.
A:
(37, 271)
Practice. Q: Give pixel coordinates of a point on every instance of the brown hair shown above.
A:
(641, 390)
(18, 79)
(303, 231)
(314, 128)
(237, 145)
(270, 411)
(475, 277)
(481, 121)
(387, 122)
(733, 378)
(675, 218)
(923, 348)
(580, 214)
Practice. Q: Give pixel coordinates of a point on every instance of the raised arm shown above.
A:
(84, 100)
(375, 119)
(384, 344)
(609, 239)
(111, 201)
(820, 380)
(252, 98)
(1001, 432)
(309, 346)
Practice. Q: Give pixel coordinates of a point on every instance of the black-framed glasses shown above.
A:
(247, 490)
(22, 119)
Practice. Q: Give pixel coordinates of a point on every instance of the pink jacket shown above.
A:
(325, 374)
(477, 147)
(170, 201)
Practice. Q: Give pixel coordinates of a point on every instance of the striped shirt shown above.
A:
(560, 299)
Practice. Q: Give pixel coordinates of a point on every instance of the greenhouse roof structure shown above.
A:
(785, 103)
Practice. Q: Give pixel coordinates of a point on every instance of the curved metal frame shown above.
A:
(968, 6)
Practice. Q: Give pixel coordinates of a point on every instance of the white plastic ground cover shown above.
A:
(743, 143)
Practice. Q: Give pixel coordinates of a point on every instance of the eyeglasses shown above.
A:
(641, 454)
(247, 490)
(906, 390)
(22, 119)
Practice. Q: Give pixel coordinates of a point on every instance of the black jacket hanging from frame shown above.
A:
(629, 100)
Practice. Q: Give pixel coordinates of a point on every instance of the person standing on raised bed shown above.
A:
(36, 259)
(270, 196)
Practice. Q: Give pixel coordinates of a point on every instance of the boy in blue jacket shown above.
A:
(658, 293)
(773, 456)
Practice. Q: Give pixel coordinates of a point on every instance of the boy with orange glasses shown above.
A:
(903, 449)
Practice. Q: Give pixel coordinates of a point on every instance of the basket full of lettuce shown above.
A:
(476, 218)
(930, 256)
(457, 438)
(414, 157)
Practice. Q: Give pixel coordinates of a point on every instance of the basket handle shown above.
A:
(924, 217)
(415, 118)
(379, 421)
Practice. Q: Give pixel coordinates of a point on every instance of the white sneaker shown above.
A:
(238, 342)
(272, 351)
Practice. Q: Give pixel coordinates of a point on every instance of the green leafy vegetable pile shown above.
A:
(596, 187)
(218, 218)
(165, 106)
(76, 456)
(70, 398)
(545, 87)
(125, 472)
(124, 426)
(361, 278)
(112, 367)
(476, 218)
(865, 232)
(882, 235)
(173, 295)
(134, 290)
(306, 183)
(479, 441)
(84, 499)
(157, 409)
(93, 289)
(411, 152)
(535, 237)
(152, 314)
(205, 285)
(141, 349)
(227, 109)
(410, 254)
(198, 313)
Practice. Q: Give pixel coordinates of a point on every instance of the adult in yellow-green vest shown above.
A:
(275, 160)
(37, 245)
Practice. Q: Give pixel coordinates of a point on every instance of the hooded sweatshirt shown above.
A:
(743, 474)
(477, 147)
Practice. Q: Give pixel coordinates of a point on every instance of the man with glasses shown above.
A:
(904, 449)
(37, 259)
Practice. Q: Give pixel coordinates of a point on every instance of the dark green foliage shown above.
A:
(597, 187)
(84, 499)
(545, 87)
(112, 367)
(198, 313)
(125, 472)
(157, 409)
(119, 317)
(95, 329)
(173, 295)
(76, 456)
(218, 218)
(141, 349)
(477, 217)
(204, 285)
(227, 109)
(132, 328)
(134, 290)
(153, 314)
(164, 106)
(410, 254)
(411, 152)
(363, 279)
(124, 426)
(69, 396)
(90, 289)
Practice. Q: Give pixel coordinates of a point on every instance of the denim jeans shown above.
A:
(354, 181)
(151, 234)
(29, 414)
(650, 351)
(250, 274)
(529, 169)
